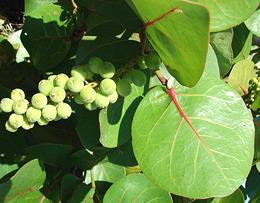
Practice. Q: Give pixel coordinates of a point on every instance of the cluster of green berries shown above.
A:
(254, 89)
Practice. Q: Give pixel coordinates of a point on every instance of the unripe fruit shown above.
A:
(51, 78)
(95, 64)
(78, 99)
(33, 114)
(113, 98)
(64, 110)
(39, 101)
(42, 122)
(141, 63)
(26, 124)
(6, 105)
(9, 128)
(107, 87)
(15, 120)
(17, 94)
(107, 70)
(124, 88)
(88, 94)
(57, 94)
(82, 72)
(60, 80)
(138, 77)
(45, 87)
(49, 112)
(101, 101)
(153, 61)
(20, 107)
(91, 106)
(75, 84)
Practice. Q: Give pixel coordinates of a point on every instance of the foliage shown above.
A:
(131, 101)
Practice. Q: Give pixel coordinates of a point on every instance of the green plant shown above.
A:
(131, 101)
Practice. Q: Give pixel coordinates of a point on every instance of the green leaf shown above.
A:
(136, 188)
(228, 13)
(6, 168)
(82, 193)
(68, 184)
(53, 154)
(252, 183)
(240, 75)
(24, 185)
(258, 166)
(179, 32)
(178, 158)
(253, 23)
(106, 171)
(221, 43)
(45, 35)
(236, 197)
(115, 121)
(256, 104)
(212, 67)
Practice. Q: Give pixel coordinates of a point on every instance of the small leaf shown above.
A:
(82, 193)
(221, 43)
(6, 168)
(24, 185)
(236, 197)
(240, 75)
(228, 13)
(136, 188)
(253, 23)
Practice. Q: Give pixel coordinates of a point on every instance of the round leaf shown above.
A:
(253, 23)
(236, 197)
(179, 159)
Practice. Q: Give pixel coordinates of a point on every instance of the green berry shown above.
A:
(39, 101)
(15, 120)
(91, 106)
(64, 110)
(17, 95)
(108, 70)
(141, 63)
(49, 112)
(75, 84)
(26, 124)
(6, 105)
(42, 122)
(45, 87)
(138, 77)
(101, 101)
(88, 94)
(60, 80)
(153, 61)
(57, 94)
(82, 72)
(113, 98)
(9, 128)
(124, 88)
(20, 107)
(95, 64)
(33, 114)
(78, 99)
(107, 87)
(51, 78)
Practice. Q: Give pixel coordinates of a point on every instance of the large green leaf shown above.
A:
(253, 23)
(24, 185)
(215, 145)
(46, 36)
(178, 31)
(221, 43)
(228, 13)
(114, 121)
(136, 188)
(6, 168)
(236, 197)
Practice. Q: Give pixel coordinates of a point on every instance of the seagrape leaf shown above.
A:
(221, 43)
(241, 74)
(82, 193)
(206, 153)
(45, 35)
(236, 197)
(228, 13)
(253, 23)
(179, 32)
(136, 188)
(24, 185)
(114, 120)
